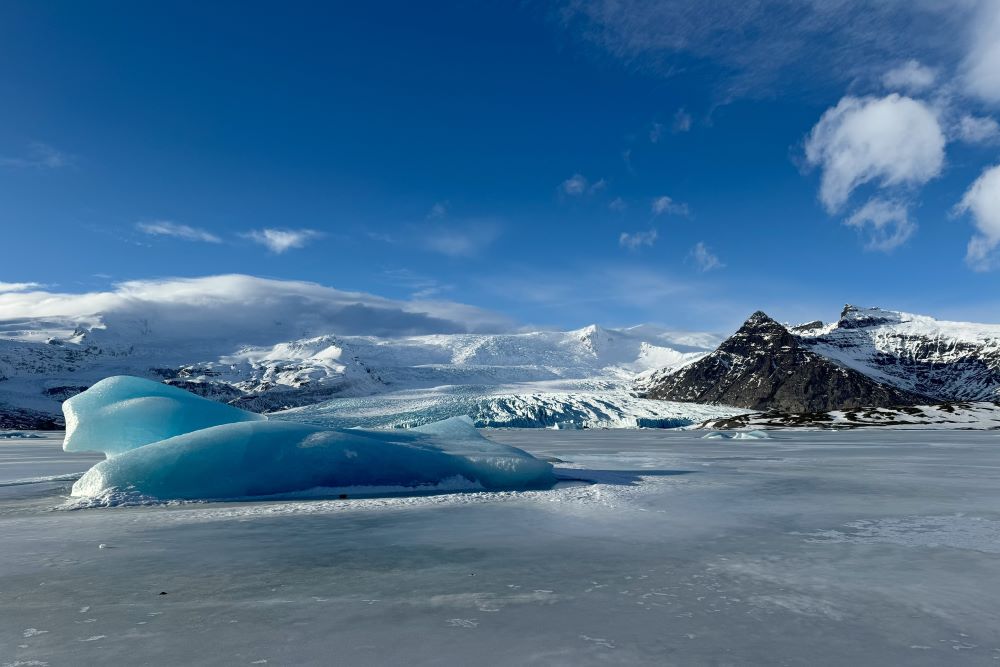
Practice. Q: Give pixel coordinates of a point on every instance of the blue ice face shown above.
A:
(252, 457)
(122, 412)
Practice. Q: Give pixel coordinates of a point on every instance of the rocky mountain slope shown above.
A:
(869, 358)
(764, 365)
(980, 415)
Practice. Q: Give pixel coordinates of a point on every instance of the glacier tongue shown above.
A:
(200, 457)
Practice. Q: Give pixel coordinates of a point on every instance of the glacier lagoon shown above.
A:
(865, 547)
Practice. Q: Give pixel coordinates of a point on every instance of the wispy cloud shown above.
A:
(682, 121)
(886, 224)
(618, 205)
(910, 77)
(977, 129)
(577, 185)
(574, 186)
(664, 204)
(655, 133)
(185, 232)
(758, 45)
(704, 259)
(465, 240)
(19, 287)
(281, 240)
(38, 156)
(638, 239)
(438, 210)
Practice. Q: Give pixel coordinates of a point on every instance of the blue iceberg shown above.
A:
(253, 457)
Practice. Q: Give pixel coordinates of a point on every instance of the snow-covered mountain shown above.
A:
(43, 362)
(869, 358)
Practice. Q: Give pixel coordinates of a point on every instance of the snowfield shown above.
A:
(659, 547)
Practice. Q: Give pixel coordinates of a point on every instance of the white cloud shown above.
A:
(978, 130)
(705, 259)
(981, 68)
(39, 156)
(574, 186)
(886, 224)
(894, 141)
(910, 77)
(618, 204)
(220, 313)
(281, 240)
(682, 121)
(186, 232)
(637, 240)
(19, 287)
(667, 205)
(982, 201)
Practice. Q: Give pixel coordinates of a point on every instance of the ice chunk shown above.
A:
(254, 457)
(739, 435)
(122, 412)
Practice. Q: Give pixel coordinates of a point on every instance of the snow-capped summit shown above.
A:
(892, 358)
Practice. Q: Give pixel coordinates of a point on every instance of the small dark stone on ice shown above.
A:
(163, 592)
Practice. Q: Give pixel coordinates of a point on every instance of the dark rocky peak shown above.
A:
(854, 317)
(808, 326)
(759, 332)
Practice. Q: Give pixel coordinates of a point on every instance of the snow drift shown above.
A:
(167, 444)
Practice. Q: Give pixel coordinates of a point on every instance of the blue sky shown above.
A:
(558, 163)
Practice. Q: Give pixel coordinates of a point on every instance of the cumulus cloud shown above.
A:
(885, 224)
(19, 287)
(977, 130)
(982, 202)
(981, 67)
(666, 204)
(38, 156)
(704, 259)
(282, 240)
(637, 240)
(910, 77)
(216, 314)
(893, 141)
(185, 232)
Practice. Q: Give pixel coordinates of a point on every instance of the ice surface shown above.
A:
(167, 444)
(814, 548)
(121, 413)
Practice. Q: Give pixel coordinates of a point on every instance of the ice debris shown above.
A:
(167, 444)
(738, 435)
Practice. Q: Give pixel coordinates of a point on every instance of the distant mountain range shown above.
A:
(869, 358)
(638, 376)
(535, 378)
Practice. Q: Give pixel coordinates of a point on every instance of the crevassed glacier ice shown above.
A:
(253, 457)
(123, 412)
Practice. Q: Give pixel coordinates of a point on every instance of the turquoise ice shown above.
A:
(252, 457)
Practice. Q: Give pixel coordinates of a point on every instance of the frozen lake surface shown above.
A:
(818, 548)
